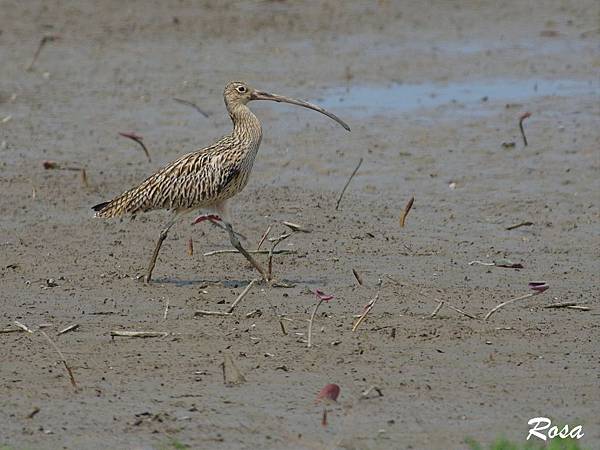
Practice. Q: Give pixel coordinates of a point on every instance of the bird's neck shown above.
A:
(246, 125)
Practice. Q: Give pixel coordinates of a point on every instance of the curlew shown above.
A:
(206, 178)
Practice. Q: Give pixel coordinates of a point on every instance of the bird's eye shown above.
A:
(241, 89)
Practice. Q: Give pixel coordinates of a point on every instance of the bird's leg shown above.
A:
(236, 243)
(163, 235)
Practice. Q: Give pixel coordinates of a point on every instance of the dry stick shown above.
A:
(357, 276)
(295, 227)
(190, 247)
(522, 297)
(140, 334)
(255, 252)
(23, 327)
(406, 211)
(581, 308)
(437, 309)
(140, 140)
(41, 45)
(521, 119)
(460, 311)
(369, 307)
(62, 358)
(67, 329)
(166, 310)
(337, 204)
(193, 105)
(282, 327)
(518, 225)
(276, 241)
(263, 237)
(242, 295)
(203, 312)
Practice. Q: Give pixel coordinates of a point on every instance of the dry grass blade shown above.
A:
(460, 311)
(67, 329)
(508, 302)
(254, 252)
(521, 120)
(23, 327)
(62, 358)
(437, 309)
(276, 241)
(368, 308)
(138, 334)
(295, 227)
(166, 310)
(263, 237)
(337, 204)
(407, 209)
(357, 276)
(518, 225)
(41, 45)
(140, 140)
(202, 312)
(241, 296)
(193, 105)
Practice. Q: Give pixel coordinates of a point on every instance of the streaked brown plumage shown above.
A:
(205, 178)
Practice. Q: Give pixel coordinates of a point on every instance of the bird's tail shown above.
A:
(126, 203)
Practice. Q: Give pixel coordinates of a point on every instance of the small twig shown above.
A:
(33, 413)
(407, 209)
(482, 263)
(166, 309)
(140, 140)
(242, 295)
(282, 327)
(276, 241)
(371, 389)
(203, 312)
(437, 309)
(521, 224)
(41, 45)
(460, 311)
(357, 276)
(67, 329)
(22, 326)
(140, 334)
(521, 120)
(263, 237)
(62, 358)
(369, 307)
(508, 302)
(337, 204)
(190, 247)
(572, 305)
(295, 227)
(310, 322)
(193, 105)
(261, 252)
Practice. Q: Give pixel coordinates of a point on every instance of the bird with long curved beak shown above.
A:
(206, 178)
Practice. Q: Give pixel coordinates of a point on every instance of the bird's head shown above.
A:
(239, 93)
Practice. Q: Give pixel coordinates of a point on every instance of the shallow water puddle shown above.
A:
(402, 97)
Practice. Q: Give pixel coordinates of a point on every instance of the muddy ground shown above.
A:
(117, 67)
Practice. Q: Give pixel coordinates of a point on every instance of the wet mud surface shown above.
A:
(433, 98)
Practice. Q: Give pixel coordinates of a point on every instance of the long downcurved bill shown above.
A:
(260, 95)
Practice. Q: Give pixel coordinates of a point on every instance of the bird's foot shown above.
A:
(211, 217)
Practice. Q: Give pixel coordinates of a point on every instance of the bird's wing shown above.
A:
(197, 178)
